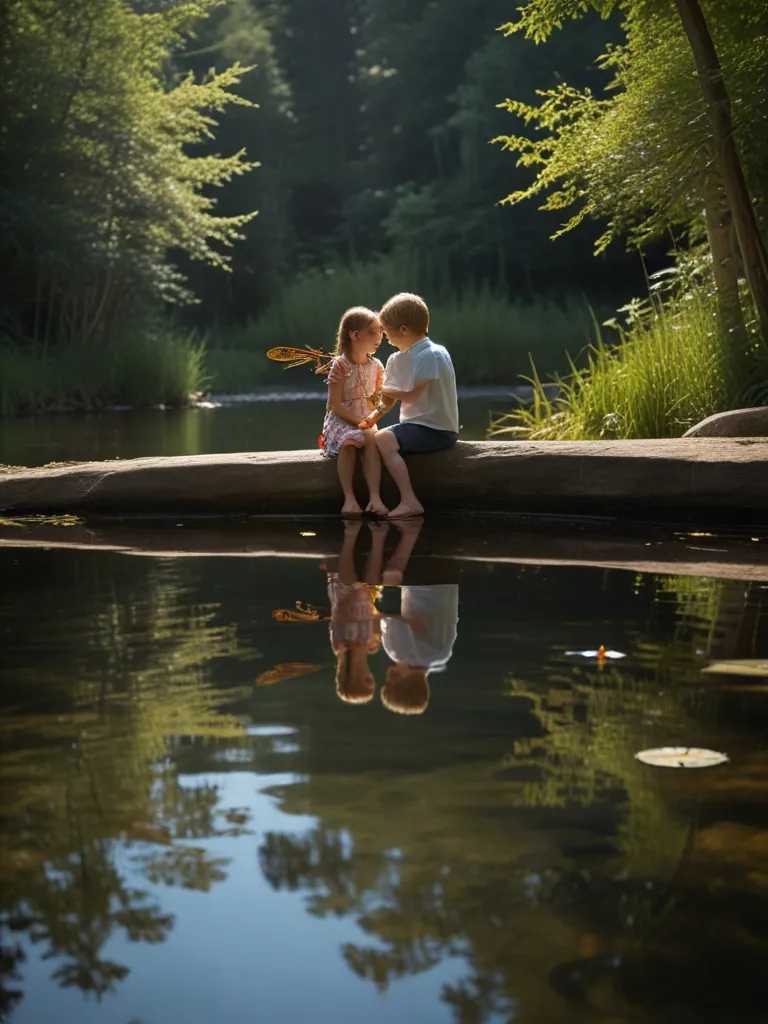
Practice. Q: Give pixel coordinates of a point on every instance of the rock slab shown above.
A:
(734, 423)
(492, 476)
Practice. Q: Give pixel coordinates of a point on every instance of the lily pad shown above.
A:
(681, 757)
(740, 667)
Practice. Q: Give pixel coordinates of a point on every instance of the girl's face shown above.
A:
(367, 339)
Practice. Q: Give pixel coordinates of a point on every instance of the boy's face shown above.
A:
(398, 337)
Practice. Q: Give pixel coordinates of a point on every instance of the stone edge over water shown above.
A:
(687, 475)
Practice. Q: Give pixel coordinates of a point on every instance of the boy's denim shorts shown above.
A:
(416, 439)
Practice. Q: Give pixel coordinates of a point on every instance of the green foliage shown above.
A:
(671, 369)
(490, 336)
(638, 158)
(157, 365)
(446, 200)
(99, 180)
(364, 155)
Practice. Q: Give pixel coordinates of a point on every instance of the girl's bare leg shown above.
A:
(372, 473)
(347, 569)
(346, 468)
(379, 533)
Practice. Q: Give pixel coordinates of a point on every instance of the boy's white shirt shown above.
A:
(429, 642)
(437, 406)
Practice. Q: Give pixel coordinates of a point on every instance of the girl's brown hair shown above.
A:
(345, 687)
(355, 319)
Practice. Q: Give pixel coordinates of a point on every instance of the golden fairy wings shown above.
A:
(300, 357)
(302, 613)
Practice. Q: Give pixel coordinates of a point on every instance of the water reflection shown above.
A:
(418, 639)
(503, 856)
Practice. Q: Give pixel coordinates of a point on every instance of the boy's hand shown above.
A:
(369, 421)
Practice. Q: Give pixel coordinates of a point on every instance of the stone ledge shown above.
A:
(443, 548)
(491, 476)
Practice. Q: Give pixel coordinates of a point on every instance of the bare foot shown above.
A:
(376, 526)
(351, 508)
(392, 577)
(411, 525)
(377, 507)
(404, 511)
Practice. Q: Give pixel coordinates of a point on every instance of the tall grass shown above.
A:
(670, 370)
(155, 366)
(489, 335)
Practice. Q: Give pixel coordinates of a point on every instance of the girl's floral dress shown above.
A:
(361, 392)
(354, 615)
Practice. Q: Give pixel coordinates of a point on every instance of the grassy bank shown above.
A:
(669, 371)
(490, 336)
(155, 366)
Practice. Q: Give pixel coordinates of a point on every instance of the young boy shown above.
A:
(420, 376)
(419, 641)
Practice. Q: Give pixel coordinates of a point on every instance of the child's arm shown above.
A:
(408, 396)
(335, 396)
(388, 400)
(381, 409)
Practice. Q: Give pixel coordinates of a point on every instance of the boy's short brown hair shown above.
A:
(406, 310)
(406, 694)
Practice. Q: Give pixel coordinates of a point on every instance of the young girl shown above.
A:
(355, 624)
(354, 388)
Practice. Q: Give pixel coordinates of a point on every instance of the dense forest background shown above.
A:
(374, 128)
(186, 183)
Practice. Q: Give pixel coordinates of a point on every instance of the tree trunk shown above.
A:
(718, 107)
(724, 258)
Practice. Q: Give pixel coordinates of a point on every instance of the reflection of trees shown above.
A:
(74, 906)
(11, 957)
(596, 720)
(85, 771)
(562, 873)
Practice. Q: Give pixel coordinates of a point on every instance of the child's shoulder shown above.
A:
(338, 369)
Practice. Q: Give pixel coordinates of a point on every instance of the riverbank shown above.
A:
(687, 479)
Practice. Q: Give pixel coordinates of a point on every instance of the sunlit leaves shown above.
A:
(100, 178)
(637, 158)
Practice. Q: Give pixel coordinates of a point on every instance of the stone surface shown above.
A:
(688, 475)
(443, 548)
(735, 423)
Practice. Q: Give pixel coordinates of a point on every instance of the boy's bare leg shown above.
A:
(347, 568)
(346, 468)
(393, 460)
(372, 473)
(375, 561)
(409, 532)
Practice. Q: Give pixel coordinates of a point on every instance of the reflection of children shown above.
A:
(355, 624)
(419, 641)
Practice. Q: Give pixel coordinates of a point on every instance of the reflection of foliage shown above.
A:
(185, 866)
(74, 905)
(84, 760)
(568, 853)
(11, 957)
(719, 618)
(595, 721)
(593, 730)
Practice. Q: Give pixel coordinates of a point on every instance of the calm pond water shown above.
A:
(280, 422)
(192, 834)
